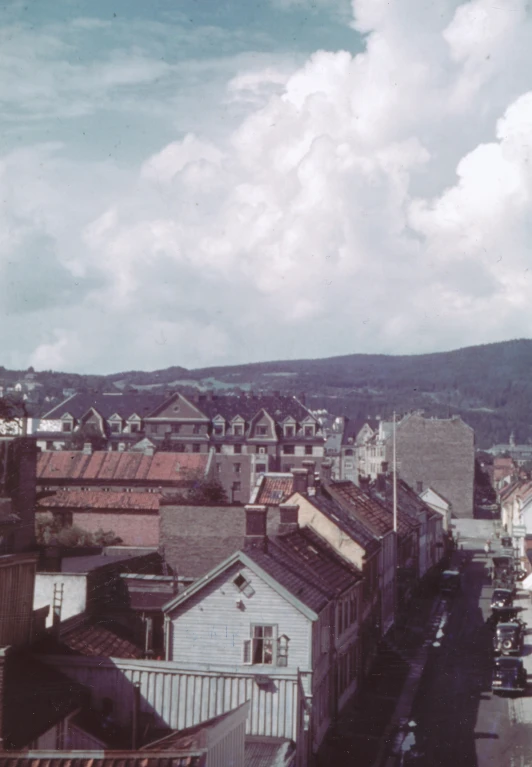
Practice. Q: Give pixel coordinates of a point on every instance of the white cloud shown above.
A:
(377, 202)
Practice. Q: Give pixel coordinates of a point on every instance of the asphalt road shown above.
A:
(460, 723)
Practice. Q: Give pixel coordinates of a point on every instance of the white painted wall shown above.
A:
(74, 593)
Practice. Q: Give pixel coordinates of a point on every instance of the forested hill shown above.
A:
(490, 385)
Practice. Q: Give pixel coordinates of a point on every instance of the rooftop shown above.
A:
(274, 489)
(92, 637)
(104, 466)
(95, 499)
(107, 404)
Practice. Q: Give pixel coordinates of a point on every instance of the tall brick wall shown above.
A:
(197, 538)
(438, 453)
(134, 528)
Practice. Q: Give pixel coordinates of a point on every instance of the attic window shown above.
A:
(176, 408)
(243, 585)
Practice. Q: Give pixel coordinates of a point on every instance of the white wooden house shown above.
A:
(271, 610)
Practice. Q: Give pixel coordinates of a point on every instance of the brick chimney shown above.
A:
(300, 477)
(87, 448)
(326, 470)
(256, 530)
(22, 487)
(288, 518)
(310, 466)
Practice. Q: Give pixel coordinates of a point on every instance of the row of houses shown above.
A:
(274, 608)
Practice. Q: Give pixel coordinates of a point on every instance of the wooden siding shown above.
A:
(179, 697)
(210, 629)
(17, 577)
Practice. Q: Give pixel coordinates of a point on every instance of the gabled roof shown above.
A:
(278, 406)
(106, 404)
(196, 736)
(95, 499)
(300, 566)
(110, 466)
(440, 495)
(378, 516)
(409, 504)
(304, 596)
(352, 526)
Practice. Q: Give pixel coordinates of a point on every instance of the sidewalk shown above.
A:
(363, 731)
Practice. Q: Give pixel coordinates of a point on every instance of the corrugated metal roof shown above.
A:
(110, 466)
(269, 752)
(96, 499)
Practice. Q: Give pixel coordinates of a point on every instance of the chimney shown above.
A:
(303, 398)
(326, 470)
(21, 481)
(87, 448)
(380, 483)
(310, 466)
(210, 395)
(300, 480)
(363, 483)
(256, 531)
(148, 450)
(288, 520)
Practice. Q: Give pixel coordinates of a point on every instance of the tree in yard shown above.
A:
(88, 433)
(49, 529)
(207, 491)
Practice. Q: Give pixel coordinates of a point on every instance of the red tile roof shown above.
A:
(122, 467)
(275, 489)
(96, 499)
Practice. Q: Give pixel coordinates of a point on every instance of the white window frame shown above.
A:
(249, 645)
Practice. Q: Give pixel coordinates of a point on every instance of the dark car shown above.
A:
(504, 615)
(450, 582)
(509, 676)
(502, 598)
(509, 638)
(506, 542)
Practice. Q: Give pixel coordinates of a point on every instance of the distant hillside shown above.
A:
(490, 385)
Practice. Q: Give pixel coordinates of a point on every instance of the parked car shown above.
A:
(509, 676)
(503, 615)
(502, 598)
(509, 638)
(451, 582)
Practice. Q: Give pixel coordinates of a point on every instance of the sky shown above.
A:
(214, 182)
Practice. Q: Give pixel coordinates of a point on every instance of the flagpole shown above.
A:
(394, 478)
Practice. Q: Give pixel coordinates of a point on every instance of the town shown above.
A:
(236, 579)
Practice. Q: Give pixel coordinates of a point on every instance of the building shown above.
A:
(284, 608)
(431, 452)
(166, 474)
(249, 433)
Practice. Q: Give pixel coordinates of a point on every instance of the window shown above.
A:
(308, 449)
(237, 467)
(134, 428)
(287, 468)
(259, 650)
(116, 427)
(243, 585)
(308, 431)
(218, 430)
(66, 426)
(260, 468)
(238, 429)
(238, 448)
(176, 428)
(196, 429)
(262, 450)
(348, 452)
(262, 431)
(289, 450)
(196, 448)
(218, 449)
(237, 487)
(289, 431)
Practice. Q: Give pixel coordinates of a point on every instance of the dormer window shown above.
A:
(289, 431)
(67, 423)
(238, 429)
(218, 426)
(261, 430)
(308, 431)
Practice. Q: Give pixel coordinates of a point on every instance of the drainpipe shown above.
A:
(167, 637)
(136, 716)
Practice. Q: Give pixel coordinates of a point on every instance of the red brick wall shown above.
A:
(134, 528)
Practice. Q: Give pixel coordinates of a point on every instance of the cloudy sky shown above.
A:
(200, 182)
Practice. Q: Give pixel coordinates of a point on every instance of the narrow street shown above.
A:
(459, 721)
